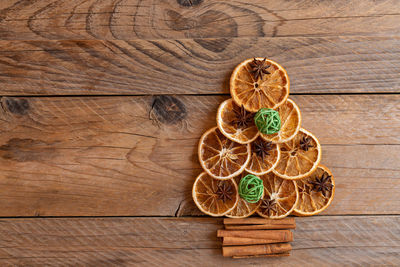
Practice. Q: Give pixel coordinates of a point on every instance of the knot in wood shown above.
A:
(188, 3)
(168, 109)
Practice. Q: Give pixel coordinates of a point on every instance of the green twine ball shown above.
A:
(267, 121)
(251, 188)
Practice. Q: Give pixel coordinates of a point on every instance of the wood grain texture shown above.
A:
(187, 66)
(318, 241)
(135, 19)
(85, 156)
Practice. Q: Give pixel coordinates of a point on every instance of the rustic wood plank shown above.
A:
(187, 66)
(318, 241)
(84, 156)
(134, 19)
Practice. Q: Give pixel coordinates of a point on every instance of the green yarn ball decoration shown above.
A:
(251, 188)
(267, 121)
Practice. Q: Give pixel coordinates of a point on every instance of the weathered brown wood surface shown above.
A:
(127, 20)
(318, 241)
(119, 156)
(187, 66)
(103, 102)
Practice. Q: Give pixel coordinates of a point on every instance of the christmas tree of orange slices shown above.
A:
(258, 159)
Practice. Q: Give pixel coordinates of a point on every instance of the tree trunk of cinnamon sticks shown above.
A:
(256, 237)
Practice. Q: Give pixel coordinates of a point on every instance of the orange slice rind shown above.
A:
(316, 192)
(215, 197)
(236, 123)
(280, 197)
(264, 157)
(300, 156)
(221, 157)
(270, 89)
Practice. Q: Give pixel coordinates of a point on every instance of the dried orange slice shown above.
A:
(280, 197)
(290, 116)
(316, 192)
(221, 157)
(299, 156)
(243, 209)
(259, 83)
(214, 197)
(264, 157)
(236, 123)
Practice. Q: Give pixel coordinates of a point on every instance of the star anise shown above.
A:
(268, 205)
(258, 68)
(261, 148)
(224, 191)
(243, 118)
(323, 184)
(305, 143)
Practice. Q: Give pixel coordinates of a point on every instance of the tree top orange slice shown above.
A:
(264, 157)
(236, 123)
(299, 157)
(290, 116)
(259, 83)
(221, 157)
(215, 197)
(243, 209)
(316, 192)
(280, 197)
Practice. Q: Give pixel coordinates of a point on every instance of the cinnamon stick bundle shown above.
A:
(264, 256)
(273, 236)
(237, 251)
(237, 241)
(259, 223)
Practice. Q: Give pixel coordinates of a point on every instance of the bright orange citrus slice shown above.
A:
(259, 83)
(290, 116)
(243, 209)
(236, 123)
(316, 192)
(280, 197)
(221, 157)
(264, 157)
(215, 197)
(299, 156)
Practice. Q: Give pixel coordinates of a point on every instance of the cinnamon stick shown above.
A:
(255, 250)
(274, 236)
(266, 256)
(235, 241)
(247, 223)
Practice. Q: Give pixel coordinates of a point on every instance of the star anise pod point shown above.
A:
(305, 143)
(262, 148)
(268, 205)
(224, 191)
(243, 118)
(258, 68)
(322, 184)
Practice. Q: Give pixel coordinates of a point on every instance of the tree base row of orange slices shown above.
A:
(281, 196)
(288, 162)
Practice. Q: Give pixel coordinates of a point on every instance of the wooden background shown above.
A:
(103, 102)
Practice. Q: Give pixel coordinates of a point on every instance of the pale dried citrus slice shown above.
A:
(299, 156)
(214, 197)
(264, 156)
(243, 209)
(280, 197)
(316, 192)
(236, 123)
(290, 116)
(221, 157)
(259, 83)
